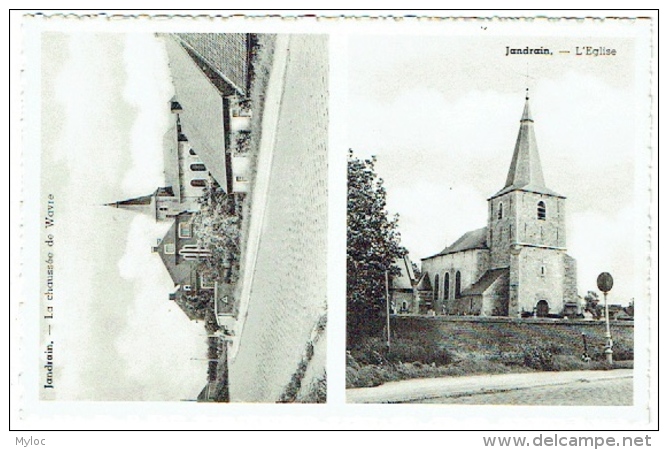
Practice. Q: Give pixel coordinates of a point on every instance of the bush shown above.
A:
(539, 358)
(374, 351)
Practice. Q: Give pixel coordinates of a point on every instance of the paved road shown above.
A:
(285, 270)
(542, 388)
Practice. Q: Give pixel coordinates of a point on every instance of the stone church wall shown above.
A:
(520, 224)
(501, 232)
(541, 277)
(495, 299)
(472, 264)
(570, 279)
(550, 232)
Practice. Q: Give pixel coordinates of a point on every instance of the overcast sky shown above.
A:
(442, 116)
(104, 113)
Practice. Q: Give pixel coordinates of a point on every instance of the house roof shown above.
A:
(203, 114)
(488, 278)
(471, 240)
(223, 56)
(526, 172)
(406, 278)
(424, 284)
(179, 269)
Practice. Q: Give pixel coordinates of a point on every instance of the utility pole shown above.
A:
(387, 307)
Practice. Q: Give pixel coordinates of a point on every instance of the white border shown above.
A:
(336, 414)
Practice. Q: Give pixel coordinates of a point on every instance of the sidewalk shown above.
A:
(426, 388)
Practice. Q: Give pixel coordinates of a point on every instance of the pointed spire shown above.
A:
(143, 204)
(526, 172)
(525, 168)
(526, 114)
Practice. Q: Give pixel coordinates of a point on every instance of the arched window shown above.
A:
(436, 287)
(197, 167)
(500, 212)
(541, 210)
(198, 182)
(192, 152)
(458, 284)
(446, 286)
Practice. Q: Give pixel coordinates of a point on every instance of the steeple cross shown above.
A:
(527, 82)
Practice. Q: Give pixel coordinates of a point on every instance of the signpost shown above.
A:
(604, 283)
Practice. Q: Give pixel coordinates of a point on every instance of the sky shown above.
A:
(104, 114)
(441, 114)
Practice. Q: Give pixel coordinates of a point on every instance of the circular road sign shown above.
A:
(604, 282)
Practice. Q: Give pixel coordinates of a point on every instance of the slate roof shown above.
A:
(525, 171)
(488, 278)
(471, 240)
(224, 56)
(202, 115)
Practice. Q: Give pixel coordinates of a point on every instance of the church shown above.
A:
(204, 146)
(516, 266)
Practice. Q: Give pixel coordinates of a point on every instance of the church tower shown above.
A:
(526, 232)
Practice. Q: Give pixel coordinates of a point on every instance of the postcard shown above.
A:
(278, 223)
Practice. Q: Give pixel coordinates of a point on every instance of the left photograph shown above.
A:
(183, 217)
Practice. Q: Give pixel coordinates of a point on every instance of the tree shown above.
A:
(592, 304)
(218, 229)
(373, 244)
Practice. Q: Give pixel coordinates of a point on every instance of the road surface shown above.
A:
(285, 269)
(614, 387)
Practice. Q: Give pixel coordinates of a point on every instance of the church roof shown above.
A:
(171, 161)
(526, 172)
(485, 281)
(471, 240)
(144, 204)
(202, 115)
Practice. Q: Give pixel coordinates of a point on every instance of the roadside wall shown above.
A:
(489, 336)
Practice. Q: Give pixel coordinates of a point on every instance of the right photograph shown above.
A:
(497, 222)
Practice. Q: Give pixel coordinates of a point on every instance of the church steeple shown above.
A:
(526, 172)
(144, 204)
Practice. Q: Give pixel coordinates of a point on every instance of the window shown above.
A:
(500, 212)
(458, 284)
(446, 286)
(436, 287)
(198, 182)
(169, 249)
(197, 167)
(542, 271)
(541, 210)
(184, 230)
(192, 152)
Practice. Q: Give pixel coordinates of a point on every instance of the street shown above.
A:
(600, 388)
